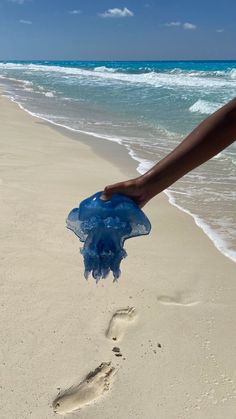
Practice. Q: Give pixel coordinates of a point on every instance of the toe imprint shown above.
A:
(119, 322)
(93, 386)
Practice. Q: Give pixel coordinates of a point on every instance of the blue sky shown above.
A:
(117, 30)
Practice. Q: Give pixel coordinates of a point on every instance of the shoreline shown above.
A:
(178, 353)
(124, 157)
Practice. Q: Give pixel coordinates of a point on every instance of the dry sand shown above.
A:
(178, 346)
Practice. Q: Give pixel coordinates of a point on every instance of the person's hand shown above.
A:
(134, 189)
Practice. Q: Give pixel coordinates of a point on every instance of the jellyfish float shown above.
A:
(103, 227)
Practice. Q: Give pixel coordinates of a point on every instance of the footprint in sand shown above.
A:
(119, 322)
(93, 386)
(178, 300)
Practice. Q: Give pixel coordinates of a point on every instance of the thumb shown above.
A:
(110, 190)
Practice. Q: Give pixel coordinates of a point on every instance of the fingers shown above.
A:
(110, 190)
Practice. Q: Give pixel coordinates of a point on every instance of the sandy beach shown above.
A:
(172, 312)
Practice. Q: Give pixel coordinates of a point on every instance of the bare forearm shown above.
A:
(208, 139)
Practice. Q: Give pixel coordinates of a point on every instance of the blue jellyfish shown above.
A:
(103, 227)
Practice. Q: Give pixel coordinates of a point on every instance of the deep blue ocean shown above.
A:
(147, 106)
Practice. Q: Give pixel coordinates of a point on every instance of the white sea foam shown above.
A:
(47, 119)
(219, 243)
(218, 156)
(18, 81)
(28, 89)
(144, 164)
(105, 69)
(48, 94)
(168, 80)
(232, 73)
(26, 82)
(205, 107)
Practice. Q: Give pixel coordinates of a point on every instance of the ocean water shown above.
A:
(149, 107)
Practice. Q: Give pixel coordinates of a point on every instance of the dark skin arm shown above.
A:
(212, 136)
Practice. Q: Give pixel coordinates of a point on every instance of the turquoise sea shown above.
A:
(148, 107)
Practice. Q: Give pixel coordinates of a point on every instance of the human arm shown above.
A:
(209, 138)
